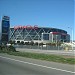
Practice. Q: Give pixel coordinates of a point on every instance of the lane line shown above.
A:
(37, 65)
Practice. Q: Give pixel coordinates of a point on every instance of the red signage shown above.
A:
(26, 27)
(55, 32)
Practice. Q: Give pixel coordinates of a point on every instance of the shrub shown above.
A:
(0, 47)
(18, 42)
(31, 43)
(3, 48)
(22, 43)
(11, 48)
(26, 43)
(41, 44)
(36, 43)
(11, 42)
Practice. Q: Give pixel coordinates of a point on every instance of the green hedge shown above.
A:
(7, 49)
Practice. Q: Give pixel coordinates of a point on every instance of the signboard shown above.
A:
(26, 27)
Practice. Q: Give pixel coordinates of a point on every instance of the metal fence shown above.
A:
(47, 47)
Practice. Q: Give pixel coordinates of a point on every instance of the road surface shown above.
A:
(56, 52)
(16, 65)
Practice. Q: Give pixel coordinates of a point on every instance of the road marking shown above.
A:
(37, 65)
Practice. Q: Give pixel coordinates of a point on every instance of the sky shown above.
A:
(44, 13)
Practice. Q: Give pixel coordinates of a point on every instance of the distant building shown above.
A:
(5, 29)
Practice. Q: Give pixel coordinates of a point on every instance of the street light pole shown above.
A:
(56, 40)
(38, 41)
(71, 40)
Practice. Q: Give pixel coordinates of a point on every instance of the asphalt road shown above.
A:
(15, 65)
(56, 52)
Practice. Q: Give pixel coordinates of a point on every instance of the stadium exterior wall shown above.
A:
(39, 34)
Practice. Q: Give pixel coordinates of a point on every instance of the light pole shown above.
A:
(38, 41)
(71, 36)
(56, 40)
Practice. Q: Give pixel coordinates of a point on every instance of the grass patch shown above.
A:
(47, 57)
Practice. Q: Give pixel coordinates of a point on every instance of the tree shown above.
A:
(22, 43)
(31, 43)
(18, 42)
(11, 42)
(26, 43)
(36, 43)
(41, 44)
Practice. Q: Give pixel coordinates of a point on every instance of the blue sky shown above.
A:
(47, 13)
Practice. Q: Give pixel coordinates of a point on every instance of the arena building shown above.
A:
(29, 33)
(38, 34)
